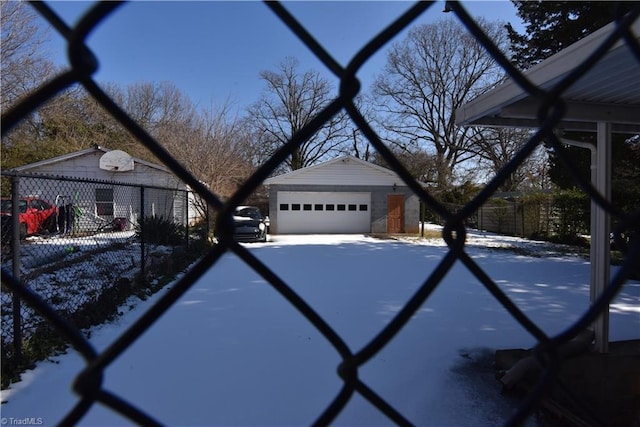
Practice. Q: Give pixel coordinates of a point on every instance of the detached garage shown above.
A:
(344, 195)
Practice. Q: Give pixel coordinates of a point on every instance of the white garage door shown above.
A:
(323, 212)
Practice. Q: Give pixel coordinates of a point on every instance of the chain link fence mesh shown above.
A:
(89, 382)
(79, 246)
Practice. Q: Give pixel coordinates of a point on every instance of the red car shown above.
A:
(36, 215)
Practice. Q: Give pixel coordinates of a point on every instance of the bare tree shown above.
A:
(24, 67)
(418, 162)
(436, 69)
(536, 171)
(290, 101)
(495, 147)
(360, 146)
(157, 105)
(253, 148)
(68, 123)
(162, 110)
(212, 147)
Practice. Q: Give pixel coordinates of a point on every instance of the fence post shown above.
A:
(208, 219)
(186, 227)
(15, 249)
(515, 217)
(421, 218)
(522, 206)
(142, 236)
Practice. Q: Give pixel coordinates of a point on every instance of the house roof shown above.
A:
(609, 91)
(344, 170)
(80, 153)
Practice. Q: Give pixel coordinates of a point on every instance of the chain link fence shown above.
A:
(89, 383)
(79, 245)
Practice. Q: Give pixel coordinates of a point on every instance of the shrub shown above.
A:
(160, 231)
(572, 209)
(200, 235)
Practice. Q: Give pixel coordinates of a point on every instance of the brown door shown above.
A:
(395, 213)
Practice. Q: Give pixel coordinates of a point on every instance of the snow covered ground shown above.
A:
(69, 272)
(233, 352)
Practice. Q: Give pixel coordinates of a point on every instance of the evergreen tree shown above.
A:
(550, 27)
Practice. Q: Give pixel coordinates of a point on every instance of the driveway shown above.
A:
(232, 351)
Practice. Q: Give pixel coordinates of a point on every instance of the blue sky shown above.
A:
(214, 51)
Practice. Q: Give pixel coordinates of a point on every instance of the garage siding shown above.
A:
(377, 209)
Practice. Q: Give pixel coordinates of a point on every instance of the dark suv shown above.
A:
(251, 225)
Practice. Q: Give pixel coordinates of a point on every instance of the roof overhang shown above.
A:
(604, 99)
(609, 91)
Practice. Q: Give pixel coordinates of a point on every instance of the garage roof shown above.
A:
(344, 170)
(609, 91)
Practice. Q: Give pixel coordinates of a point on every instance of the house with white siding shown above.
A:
(342, 195)
(138, 188)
